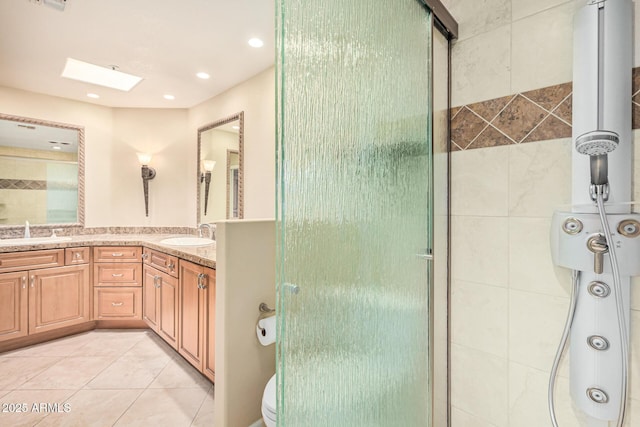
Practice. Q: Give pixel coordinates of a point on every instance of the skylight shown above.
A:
(97, 75)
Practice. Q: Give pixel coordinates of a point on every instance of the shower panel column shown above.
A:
(602, 129)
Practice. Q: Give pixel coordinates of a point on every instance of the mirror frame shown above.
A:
(81, 169)
(228, 172)
(240, 117)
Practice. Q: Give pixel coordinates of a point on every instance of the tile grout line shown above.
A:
(499, 111)
(513, 97)
(76, 351)
(558, 106)
(489, 123)
(522, 141)
(508, 308)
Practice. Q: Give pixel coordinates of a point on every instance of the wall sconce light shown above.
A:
(147, 174)
(205, 176)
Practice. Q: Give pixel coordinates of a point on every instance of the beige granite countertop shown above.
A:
(203, 255)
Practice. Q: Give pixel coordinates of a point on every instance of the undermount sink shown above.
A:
(187, 241)
(34, 240)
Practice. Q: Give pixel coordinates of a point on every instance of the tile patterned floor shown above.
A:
(103, 378)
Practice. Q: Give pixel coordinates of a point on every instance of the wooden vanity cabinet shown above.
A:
(117, 283)
(160, 261)
(160, 303)
(14, 305)
(40, 293)
(150, 297)
(58, 297)
(21, 261)
(74, 256)
(117, 253)
(209, 363)
(193, 291)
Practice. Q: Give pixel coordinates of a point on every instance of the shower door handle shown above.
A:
(428, 255)
(291, 288)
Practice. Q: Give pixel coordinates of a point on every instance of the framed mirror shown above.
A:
(220, 169)
(41, 173)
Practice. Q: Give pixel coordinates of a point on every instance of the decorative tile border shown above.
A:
(22, 184)
(536, 115)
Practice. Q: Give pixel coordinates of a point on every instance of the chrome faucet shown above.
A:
(208, 226)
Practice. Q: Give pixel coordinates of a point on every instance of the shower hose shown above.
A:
(622, 327)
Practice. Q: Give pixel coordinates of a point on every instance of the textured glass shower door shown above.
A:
(354, 211)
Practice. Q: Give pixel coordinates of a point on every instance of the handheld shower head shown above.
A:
(597, 143)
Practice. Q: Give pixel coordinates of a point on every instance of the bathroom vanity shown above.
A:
(51, 290)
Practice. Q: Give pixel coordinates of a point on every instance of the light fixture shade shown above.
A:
(144, 158)
(97, 75)
(208, 165)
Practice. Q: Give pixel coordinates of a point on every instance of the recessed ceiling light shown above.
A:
(102, 76)
(169, 97)
(93, 95)
(203, 75)
(57, 147)
(255, 42)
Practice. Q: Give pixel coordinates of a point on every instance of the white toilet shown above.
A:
(269, 403)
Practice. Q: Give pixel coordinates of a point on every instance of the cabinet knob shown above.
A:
(24, 282)
(77, 255)
(145, 256)
(157, 281)
(171, 265)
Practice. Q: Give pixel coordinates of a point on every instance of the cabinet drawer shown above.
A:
(117, 254)
(74, 256)
(16, 261)
(117, 274)
(160, 261)
(117, 303)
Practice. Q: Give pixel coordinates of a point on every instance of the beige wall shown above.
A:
(508, 302)
(162, 133)
(113, 187)
(245, 278)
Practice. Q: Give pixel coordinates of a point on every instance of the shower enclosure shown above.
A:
(362, 208)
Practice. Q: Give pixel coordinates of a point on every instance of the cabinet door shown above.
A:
(168, 309)
(150, 297)
(191, 318)
(13, 305)
(209, 363)
(58, 297)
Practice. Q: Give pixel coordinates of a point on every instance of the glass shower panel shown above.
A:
(354, 209)
(62, 192)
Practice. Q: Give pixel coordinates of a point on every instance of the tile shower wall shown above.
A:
(508, 302)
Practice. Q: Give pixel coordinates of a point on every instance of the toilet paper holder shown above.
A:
(265, 311)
